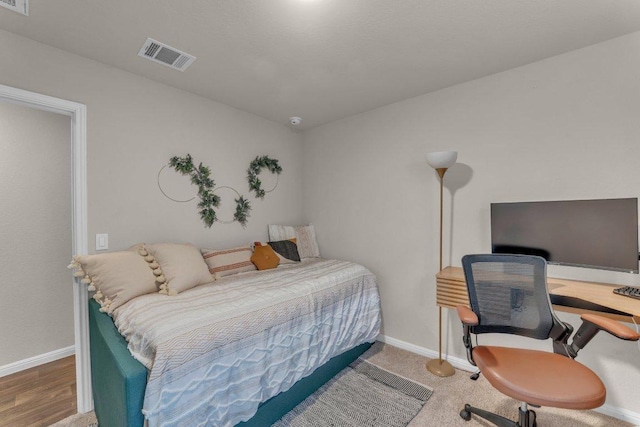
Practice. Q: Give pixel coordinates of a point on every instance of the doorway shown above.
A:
(79, 242)
(35, 224)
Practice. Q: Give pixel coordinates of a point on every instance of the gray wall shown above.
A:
(134, 125)
(36, 307)
(563, 128)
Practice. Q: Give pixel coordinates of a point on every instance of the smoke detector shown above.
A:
(20, 6)
(295, 121)
(164, 54)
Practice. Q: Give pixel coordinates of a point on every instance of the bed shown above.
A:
(243, 350)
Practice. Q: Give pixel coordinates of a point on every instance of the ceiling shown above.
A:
(323, 59)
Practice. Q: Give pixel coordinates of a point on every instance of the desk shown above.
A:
(451, 290)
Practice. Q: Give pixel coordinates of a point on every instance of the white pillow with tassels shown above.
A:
(182, 265)
(117, 277)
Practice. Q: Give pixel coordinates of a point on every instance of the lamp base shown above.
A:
(441, 368)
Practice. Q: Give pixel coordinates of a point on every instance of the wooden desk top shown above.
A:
(452, 290)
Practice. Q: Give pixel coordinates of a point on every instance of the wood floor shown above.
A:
(39, 396)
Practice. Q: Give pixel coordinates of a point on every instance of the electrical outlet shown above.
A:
(102, 242)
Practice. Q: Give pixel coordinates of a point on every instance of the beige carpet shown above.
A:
(450, 395)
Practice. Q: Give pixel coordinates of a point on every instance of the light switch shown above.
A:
(102, 242)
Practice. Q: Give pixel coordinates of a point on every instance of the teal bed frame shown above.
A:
(119, 381)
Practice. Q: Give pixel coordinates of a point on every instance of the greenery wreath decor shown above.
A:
(164, 193)
(201, 177)
(242, 210)
(254, 170)
(242, 207)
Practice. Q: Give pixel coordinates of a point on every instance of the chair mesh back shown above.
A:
(509, 294)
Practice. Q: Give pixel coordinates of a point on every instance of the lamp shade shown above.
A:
(441, 159)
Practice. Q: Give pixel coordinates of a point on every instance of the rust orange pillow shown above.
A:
(264, 257)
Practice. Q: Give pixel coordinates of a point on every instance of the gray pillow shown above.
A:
(287, 249)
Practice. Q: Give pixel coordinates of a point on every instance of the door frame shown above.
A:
(78, 114)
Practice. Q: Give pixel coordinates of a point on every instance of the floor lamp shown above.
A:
(441, 161)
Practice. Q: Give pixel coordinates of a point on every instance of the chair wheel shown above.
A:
(465, 415)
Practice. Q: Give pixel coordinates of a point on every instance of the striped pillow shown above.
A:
(228, 261)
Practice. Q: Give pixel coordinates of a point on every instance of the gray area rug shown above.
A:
(360, 395)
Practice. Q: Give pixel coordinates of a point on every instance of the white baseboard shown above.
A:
(620, 413)
(34, 361)
(613, 411)
(432, 354)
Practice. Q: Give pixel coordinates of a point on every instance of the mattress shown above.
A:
(215, 352)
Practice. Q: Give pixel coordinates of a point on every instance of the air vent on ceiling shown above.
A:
(20, 6)
(160, 52)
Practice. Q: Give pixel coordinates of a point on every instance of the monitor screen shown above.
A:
(585, 233)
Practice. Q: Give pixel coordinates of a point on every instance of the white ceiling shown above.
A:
(323, 59)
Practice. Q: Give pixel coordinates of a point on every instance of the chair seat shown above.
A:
(540, 378)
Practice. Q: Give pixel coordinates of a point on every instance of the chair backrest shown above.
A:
(509, 294)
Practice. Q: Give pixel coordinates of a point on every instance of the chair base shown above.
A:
(527, 417)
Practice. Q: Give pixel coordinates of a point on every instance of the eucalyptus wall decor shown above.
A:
(242, 210)
(255, 167)
(201, 177)
(243, 207)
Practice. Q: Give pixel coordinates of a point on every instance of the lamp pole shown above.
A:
(441, 161)
(441, 172)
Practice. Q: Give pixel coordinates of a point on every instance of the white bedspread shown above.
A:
(217, 351)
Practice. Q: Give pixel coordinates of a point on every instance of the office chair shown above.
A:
(508, 294)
